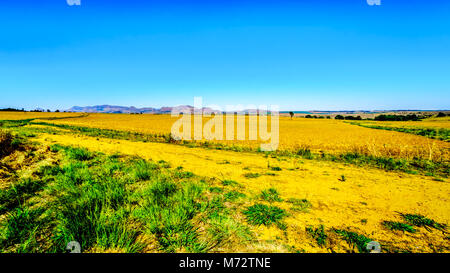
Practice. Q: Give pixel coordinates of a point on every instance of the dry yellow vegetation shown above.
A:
(361, 202)
(32, 115)
(327, 135)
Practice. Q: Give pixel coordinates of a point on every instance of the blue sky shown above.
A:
(300, 55)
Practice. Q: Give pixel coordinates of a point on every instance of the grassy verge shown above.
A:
(434, 133)
(115, 203)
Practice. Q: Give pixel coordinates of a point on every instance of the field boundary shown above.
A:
(433, 133)
(415, 166)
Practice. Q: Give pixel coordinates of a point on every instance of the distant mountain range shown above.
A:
(131, 109)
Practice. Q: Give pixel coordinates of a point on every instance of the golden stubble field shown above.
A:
(327, 135)
(361, 203)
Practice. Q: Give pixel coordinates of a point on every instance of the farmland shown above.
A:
(330, 136)
(117, 183)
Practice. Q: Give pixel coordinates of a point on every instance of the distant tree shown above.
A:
(412, 117)
(339, 117)
(48, 110)
(308, 116)
(291, 114)
(353, 118)
(57, 111)
(11, 110)
(440, 115)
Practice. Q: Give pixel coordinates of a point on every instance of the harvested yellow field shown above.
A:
(362, 202)
(330, 136)
(34, 115)
(443, 122)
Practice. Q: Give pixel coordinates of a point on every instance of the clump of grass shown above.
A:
(164, 164)
(215, 208)
(93, 212)
(233, 196)
(74, 173)
(422, 221)
(80, 154)
(143, 170)
(183, 175)
(398, 226)
(299, 204)
(305, 152)
(225, 230)
(252, 175)
(162, 189)
(276, 168)
(216, 189)
(20, 226)
(342, 178)
(54, 148)
(270, 195)
(318, 234)
(261, 214)
(230, 183)
(19, 193)
(354, 239)
(169, 218)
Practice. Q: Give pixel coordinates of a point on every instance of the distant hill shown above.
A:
(128, 110)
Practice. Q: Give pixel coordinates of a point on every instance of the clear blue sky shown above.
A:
(301, 55)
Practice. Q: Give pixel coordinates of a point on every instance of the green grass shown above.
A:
(270, 195)
(318, 234)
(302, 205)
(167, 213)
(422, 221)
(20, 228)
(434, 133)
(80, 154)
(18, 193)
(277, 169)
(233, 196)
(110, 201)
(143, 170)
(305, 153)
(261, 214)
(398, 226)
(230, 183)
(252, 175)
(354, 239)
